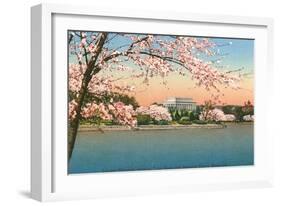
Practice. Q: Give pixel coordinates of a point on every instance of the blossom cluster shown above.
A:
(117, 111)
(75, 76)
(156, 112)
(72, 106)
(97, 85)
(124, 114)
(249, 118)
(216, 115)
(96, 110)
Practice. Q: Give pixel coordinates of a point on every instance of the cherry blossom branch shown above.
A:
(116, 53)
(237, 70)
(171, 59)
(107, 41)
(84, 48)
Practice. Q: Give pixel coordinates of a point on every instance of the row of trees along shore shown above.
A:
(156, 114)
(95, 57)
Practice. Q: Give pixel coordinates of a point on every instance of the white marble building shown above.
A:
(180, 103)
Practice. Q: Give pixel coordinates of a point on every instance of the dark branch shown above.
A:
(70, 38)
(171, 59)
(107, 41)
(237, 70)
(85, 51)
(128, 50)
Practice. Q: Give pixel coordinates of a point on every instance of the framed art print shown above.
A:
(135, 102)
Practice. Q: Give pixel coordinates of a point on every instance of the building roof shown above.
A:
(179, 100)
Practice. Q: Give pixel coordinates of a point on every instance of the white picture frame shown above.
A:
(49, 179)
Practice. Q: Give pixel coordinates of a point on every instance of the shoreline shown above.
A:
(89, 128)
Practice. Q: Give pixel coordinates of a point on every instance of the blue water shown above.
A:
(162, 149)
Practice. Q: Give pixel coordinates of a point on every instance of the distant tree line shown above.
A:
(180, 116)
(239, 111)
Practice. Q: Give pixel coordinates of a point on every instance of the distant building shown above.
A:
(180, 103)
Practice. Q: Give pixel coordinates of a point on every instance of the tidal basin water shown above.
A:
(162, 149)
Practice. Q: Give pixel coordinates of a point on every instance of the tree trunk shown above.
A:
(72, 132)
(90, 71)
(74, 124)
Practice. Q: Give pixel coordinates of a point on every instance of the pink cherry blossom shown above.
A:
(156, 112)
(229, 117)
(118, 111)
(96, 110)
(98, 84)
(72, 109)
(124, 114)
(248, 118)
(216, 115)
